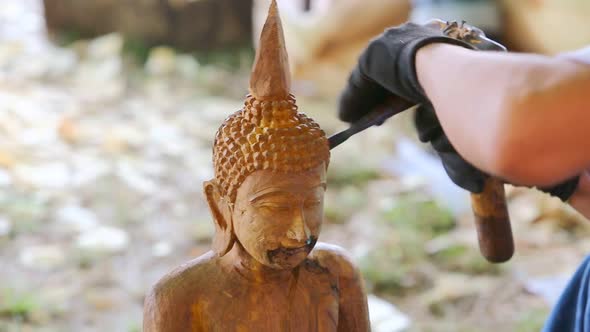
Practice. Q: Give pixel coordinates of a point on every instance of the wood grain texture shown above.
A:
(275, 277)
(324, 293)
(493, 222)
(266, 272)
(271, 78)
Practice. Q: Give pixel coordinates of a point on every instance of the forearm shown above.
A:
(521, 117)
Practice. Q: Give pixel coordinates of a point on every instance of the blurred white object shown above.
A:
(161, 61)
(5, 227)
(549, 288)
(187, 66)
(51, 175)
(74, 218)
(162, 249)
(385, 317)
(412, 161)
(103, 240)
(106, 47)
(5, 178)
(44, 257)
(581, 55)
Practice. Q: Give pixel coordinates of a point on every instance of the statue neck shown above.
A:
(238, 260)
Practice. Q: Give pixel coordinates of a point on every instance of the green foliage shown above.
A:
(347, 188)
(460, 258)
(27, 210)
(334, 215)
(387, 271)
(532, 320)
(137, 49)
(424, 216)
(232, 59)
(134, 327)
(399, 262)
(68, 36)
(343, 203)
(354, 176)
(16, 304)
(395, 265)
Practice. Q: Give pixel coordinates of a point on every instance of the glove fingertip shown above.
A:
(474, 186)
(359, 97)
(462, 173)
(345, 111)
(563, 190)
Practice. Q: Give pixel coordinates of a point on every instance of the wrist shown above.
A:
(429, 58)
(424, 57)
(434, 45)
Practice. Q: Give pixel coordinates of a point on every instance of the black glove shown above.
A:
(460, 171)
(387, 68)
(564, 190)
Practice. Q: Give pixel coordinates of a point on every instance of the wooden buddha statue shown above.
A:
(266, 272)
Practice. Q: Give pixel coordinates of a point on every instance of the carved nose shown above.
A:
(299, 230)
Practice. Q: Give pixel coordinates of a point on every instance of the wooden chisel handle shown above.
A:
(491, 213)
(493, 222)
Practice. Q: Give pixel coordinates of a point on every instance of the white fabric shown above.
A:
(581, 55)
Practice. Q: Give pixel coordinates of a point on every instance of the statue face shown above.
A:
(277, 217)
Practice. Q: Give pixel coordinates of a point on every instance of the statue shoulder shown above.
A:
(335, 259)
(187, 274)
(353, 311)
(178, 289)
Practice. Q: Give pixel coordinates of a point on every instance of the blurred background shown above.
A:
(108, 110)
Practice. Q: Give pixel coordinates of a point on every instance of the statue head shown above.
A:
(270, 166)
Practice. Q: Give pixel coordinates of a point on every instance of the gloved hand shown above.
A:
(387, 69)
(460, 171)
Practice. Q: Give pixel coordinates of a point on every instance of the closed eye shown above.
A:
(274, 206)
(312, 202)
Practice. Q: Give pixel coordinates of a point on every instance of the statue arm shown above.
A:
(154, 319)
(353, 311)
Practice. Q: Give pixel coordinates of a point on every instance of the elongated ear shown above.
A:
(220, 208)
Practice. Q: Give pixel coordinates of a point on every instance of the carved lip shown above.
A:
(283, 254)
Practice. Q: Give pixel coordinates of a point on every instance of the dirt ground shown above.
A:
(102, 159)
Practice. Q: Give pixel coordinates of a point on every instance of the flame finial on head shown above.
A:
(268, 133)
(271, 78)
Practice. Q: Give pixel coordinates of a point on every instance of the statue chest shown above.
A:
(309, 304)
